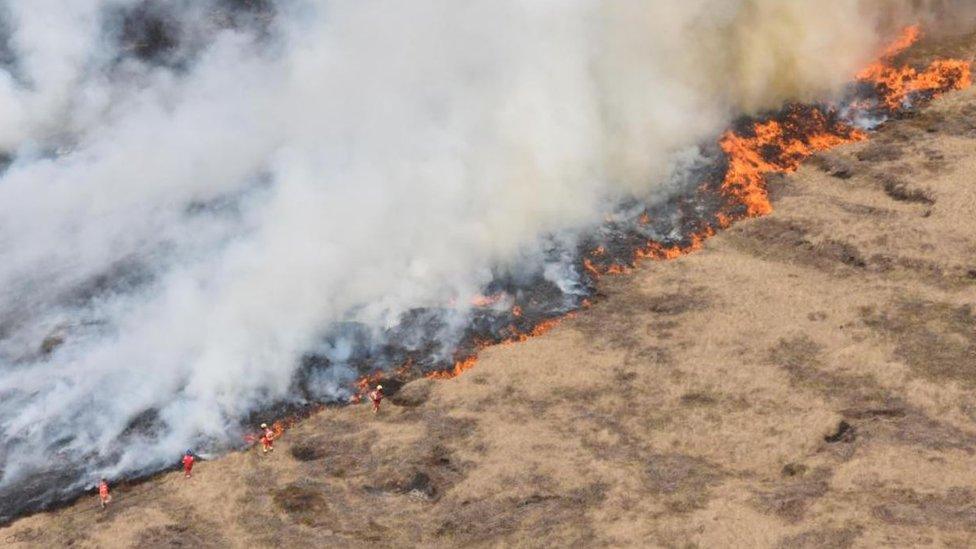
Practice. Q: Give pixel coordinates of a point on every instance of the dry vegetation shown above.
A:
(806, 380)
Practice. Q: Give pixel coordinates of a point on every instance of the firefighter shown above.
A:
(103, 494)
(267, 439)
(188, 460)
(376, 396)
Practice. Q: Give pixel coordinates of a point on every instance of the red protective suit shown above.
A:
(376, 397)
(187, 465)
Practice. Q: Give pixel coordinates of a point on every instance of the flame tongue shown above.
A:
(778, 146)
(908, 37)
(896, 85)
(780, 143)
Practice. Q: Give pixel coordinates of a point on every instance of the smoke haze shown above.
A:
(198, 193)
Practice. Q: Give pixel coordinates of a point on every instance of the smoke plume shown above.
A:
(196, 194)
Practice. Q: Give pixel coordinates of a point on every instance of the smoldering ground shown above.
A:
(197, 193)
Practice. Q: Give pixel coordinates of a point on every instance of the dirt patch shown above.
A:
(834, 164)
(937, 340)
(880, 151)
(791, 499)
(647, 354)
(424, 470)
(176, 535)
(421, 487)
(926, 269)
(684, 482)
(844, 252)
(959, 122)
(559, 518)
(898, 189)
(304, 503)
(698, 399)
(187, 530)
(786, 241)
(27, 535)
(412, 394)
(917, 429)
(670, 304)
(335, 456)
(834, 538)
(845, 432)
(794, 470)
(800, 357)
(611, 325)
(955, 509)
(309, 450)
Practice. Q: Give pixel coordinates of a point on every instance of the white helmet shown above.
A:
(264, 425)
(379, 386)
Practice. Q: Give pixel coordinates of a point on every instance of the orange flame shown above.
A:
(896, 84)
(908, 37)
(486, 300)
(781, 145)
(405, 368)
(773, 146)
(778, 146)
(279, 427)
(366, 383)
(460, 367)
(464, 364)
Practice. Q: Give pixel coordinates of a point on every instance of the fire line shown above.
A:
(774, 145)
(771, 146)
(777, 144)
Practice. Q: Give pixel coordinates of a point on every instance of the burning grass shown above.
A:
(753, 151)
(897, 86)
(778, 144)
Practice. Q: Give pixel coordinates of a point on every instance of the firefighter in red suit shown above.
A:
(267, 439)
(188, 460)
(376, 396)
(103, 494)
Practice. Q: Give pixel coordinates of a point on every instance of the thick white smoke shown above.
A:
(176, 233)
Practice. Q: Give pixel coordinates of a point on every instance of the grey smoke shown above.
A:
(178, 227)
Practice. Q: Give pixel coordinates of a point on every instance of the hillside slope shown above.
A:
(807, 379)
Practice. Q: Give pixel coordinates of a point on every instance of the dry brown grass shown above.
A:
(806, 380)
